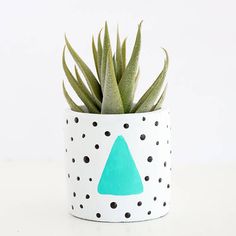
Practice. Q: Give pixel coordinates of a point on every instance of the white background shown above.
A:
(200, 37)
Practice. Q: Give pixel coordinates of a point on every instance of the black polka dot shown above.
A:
(86, 159)
(142, 136)
(127, 215)
(170, 152)
(113, 205)
(98, 215)
(78, 178)
(81, 206)
(67, 122)
(139, 203)
(156, 123)
(74, 194)
(164, 204)
(95, 123)
(159, 180)
(155, 198)
(157, 142)
(167, 141)
(126, 126)
(68, 175)
(83, 135)
(71, 138)
(165, 164)
(168, 186)
(72, 207)
(97, 146)
(107, 133)
(87, 196)
(146, 178)
(76, 119)
(149, 159)
(66, 150)
(73, 160)
(149, 212)
(90, 179)
(167, 126)
(144, 118)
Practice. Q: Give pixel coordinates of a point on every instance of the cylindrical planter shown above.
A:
(118, 166)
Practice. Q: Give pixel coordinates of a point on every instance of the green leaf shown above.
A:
(86, 91)
(99, 54)
(118, 58)
(137, 79)
(79, 91)
(112, 103)
(114, 64)
(92, 82)
(106, 48)
(159, 103)
(72, 104)
(127, 82)
(95, 57)
(123, 50)
(147, 101)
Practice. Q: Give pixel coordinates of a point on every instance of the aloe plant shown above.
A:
(112, 89)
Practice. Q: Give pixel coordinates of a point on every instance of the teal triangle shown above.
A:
(120, 175)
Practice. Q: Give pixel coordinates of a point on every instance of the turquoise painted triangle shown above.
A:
(120, 175)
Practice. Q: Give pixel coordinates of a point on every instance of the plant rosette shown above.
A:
(118, 165)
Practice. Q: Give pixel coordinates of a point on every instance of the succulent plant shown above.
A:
(112, 90)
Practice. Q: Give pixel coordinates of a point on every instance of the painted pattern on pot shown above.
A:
(118, 166)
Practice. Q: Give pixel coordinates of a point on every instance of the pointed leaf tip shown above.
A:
(92, 82)
(111, 103)
(106, 47)
(146, 102)
(77, 88)
(127, 82)
(140, 24)
(106, 25)
(118, 58)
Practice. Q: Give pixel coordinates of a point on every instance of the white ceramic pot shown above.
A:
(118, 166)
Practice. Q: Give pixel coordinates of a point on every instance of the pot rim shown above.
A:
(159, 111)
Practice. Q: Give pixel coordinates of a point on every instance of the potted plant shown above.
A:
(117, 151)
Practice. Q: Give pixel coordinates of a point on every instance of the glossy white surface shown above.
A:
(85, 201)
(33, 202)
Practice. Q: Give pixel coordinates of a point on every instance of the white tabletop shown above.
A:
(33, 203)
